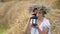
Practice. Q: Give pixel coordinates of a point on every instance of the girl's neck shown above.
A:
(39, 20)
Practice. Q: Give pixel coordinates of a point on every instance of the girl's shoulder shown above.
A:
(46, 22)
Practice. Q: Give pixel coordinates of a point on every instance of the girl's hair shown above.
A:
(34, 9)
(41, 9)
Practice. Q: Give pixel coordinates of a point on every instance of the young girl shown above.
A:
(43, 24)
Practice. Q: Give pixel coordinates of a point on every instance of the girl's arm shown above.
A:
(45, 31)
(28, 28)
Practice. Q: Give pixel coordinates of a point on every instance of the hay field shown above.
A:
(14, 15)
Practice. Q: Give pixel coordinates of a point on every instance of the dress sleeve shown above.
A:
(47, 24)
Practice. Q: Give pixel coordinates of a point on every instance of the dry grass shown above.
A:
(14, 16)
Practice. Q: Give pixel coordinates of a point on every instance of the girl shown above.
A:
(43, 24)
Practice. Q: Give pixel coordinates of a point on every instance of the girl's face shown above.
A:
(39, 14)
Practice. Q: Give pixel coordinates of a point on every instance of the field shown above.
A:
(14, 15)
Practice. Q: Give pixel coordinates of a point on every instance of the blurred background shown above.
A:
(14, 15)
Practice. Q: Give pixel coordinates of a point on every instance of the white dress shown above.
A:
(45, 24)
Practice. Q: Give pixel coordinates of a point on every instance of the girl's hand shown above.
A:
(35, 26)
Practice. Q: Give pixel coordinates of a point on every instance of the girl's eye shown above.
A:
(39, 12)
